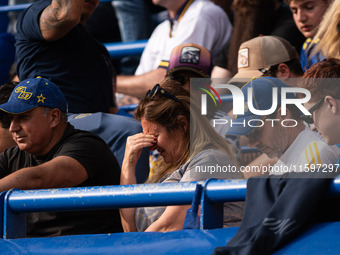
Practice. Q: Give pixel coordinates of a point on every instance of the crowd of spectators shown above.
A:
(61, 124)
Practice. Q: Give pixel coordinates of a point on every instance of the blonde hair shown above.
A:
(287, 2)
(166, 112)
(327, 33)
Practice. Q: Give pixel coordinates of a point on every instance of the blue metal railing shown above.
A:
(128, 107)
(123, 49)
(122, 196)
(14, 8)
(18, 202)
(115, 49)
(226, 98)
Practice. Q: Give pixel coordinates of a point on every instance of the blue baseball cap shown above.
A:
(32, 93)
(262, 100)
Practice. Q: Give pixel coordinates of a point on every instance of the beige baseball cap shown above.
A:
(260, 53)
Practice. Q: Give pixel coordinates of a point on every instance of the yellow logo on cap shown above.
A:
(41, 98)
(246, 108)
(23, 94)
(83, 115)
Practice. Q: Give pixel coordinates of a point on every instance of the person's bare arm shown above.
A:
(59, 18)
(62, 171)
(138, 85)
(172, 219)
(133, 150)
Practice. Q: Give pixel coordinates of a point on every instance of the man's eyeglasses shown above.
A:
(309, 118)
(157, 90)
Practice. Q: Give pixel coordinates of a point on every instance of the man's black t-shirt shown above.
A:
(102, 168)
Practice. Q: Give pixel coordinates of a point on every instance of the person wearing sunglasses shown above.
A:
(279, 207)
(322, 80)
(270, 56)
(286, 137)
(190, 65)
(173, 125)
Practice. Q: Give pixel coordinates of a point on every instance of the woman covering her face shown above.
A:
(173, 125)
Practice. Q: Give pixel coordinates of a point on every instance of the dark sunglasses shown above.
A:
(157, 90)
(309, 118)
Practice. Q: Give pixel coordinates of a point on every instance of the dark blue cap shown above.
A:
(262, 99)
(32, 93)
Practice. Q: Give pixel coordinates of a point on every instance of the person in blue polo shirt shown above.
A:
(114, 130)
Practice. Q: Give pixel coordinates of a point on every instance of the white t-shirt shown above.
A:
(306, 152)
(204, 23)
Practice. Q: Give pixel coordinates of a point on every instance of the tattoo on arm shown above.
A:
(52, 16)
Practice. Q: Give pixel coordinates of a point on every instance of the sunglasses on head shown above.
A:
(157, 90)
(309, 118)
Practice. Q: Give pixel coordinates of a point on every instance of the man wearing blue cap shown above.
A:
(280, 135)
(278, 209)
(50, 153)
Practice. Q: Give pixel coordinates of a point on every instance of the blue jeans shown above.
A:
(135, 23)
(7, 55)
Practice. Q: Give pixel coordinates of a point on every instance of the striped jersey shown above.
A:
(308, 152)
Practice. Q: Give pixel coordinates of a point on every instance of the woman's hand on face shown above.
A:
(136, 143)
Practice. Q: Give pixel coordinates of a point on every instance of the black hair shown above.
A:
(5, 92)
(293, 65)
